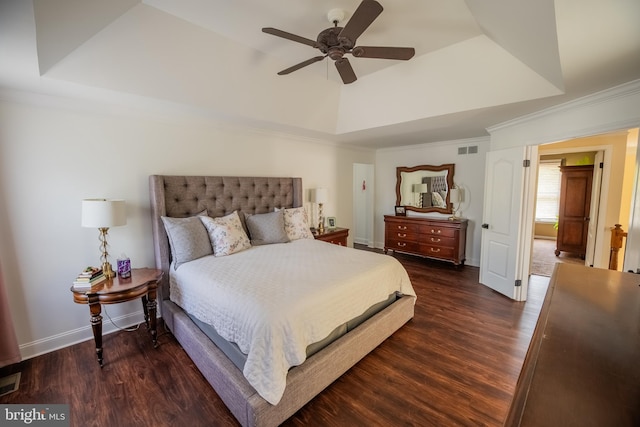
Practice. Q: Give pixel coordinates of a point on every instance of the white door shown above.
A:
(594, 209)
(501, 258)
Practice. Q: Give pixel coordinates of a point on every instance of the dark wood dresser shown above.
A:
(583, 364)
(442, 239)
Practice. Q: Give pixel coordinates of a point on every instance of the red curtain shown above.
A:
(9, 351)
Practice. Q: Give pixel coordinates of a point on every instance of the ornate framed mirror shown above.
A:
(425, 188)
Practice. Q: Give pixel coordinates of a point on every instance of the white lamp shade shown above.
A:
(420, 188)
(103, 213)
(319, 195)
(455, 195)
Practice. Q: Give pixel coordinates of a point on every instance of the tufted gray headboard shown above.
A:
(182, 196)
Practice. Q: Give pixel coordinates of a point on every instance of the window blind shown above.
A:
(548, 195)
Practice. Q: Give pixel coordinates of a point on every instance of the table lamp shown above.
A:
(102, 214)
(456, 196)
(420, 189)
(319, 196)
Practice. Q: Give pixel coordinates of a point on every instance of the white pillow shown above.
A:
(226, 234)
(295, 224)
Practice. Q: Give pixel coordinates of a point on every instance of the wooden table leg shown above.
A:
(146, 310)
(151, 306)
(96, 325)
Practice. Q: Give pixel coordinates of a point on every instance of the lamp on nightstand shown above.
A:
(102, 214)
(319, 196)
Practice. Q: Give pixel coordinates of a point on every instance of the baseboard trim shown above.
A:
(545, 237)
(75, 336)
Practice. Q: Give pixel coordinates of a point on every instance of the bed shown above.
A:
(220, 197)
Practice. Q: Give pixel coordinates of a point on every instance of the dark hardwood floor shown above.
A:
(455, 363)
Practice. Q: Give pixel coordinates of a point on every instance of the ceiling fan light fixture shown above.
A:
(336, 16)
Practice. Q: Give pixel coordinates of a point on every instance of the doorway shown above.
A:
(363, 207)
(591, 149)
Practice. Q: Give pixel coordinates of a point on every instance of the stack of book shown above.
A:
(89, 277)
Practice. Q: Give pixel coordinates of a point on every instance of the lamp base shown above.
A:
(108, 271)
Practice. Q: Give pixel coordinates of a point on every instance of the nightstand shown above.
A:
(143, 283)
(337, 236)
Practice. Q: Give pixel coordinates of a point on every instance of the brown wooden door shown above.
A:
(575, 202)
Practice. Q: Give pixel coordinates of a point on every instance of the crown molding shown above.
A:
(607, 95)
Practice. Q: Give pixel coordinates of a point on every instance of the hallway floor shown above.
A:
(544, 258)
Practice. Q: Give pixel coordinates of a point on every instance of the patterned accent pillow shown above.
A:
(188, 239)
(226, 234)
(266, 228)
(437, 200)
(295, 224)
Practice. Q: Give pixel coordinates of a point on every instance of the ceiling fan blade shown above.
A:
(302, 64)
(364, 15)
(289, 36)
(346, 71)
(384, 52)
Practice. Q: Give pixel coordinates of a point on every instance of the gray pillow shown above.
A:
(266, 228)
(188, 238)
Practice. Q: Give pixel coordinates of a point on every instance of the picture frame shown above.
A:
(401, 211)
(331, 222)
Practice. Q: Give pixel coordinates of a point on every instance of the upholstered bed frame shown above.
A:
(182, 196)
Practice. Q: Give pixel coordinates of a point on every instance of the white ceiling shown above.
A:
(478, 62)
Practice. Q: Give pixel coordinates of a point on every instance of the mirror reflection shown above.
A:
(425, 188)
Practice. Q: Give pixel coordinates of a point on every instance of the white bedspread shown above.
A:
(275, 300)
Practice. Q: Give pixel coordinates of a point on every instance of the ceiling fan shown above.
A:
(335, 42)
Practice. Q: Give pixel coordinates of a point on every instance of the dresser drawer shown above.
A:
(437, 230)
(437, 240)
(401, 245)
(403, 236)
(437, 251)
(403, 227)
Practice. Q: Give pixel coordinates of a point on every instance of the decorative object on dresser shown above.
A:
(319, 196)
(574, 210)
(337, 236)
(456, 194)
(331, 222)
(401, 211)
(442, 239)
(102, 214)
(425, 188)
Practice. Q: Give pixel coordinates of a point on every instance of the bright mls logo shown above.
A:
(37, 415)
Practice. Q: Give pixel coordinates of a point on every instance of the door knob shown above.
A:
(485, 226)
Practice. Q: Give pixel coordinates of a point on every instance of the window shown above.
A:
(548, 196)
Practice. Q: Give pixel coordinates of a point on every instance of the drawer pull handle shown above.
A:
(435, 240)
(402, 244)
(402, 234)
(402, 227)
(435, 250)
(435, 231)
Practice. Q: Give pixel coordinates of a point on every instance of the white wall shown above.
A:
(469, 174)
(55, 151)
